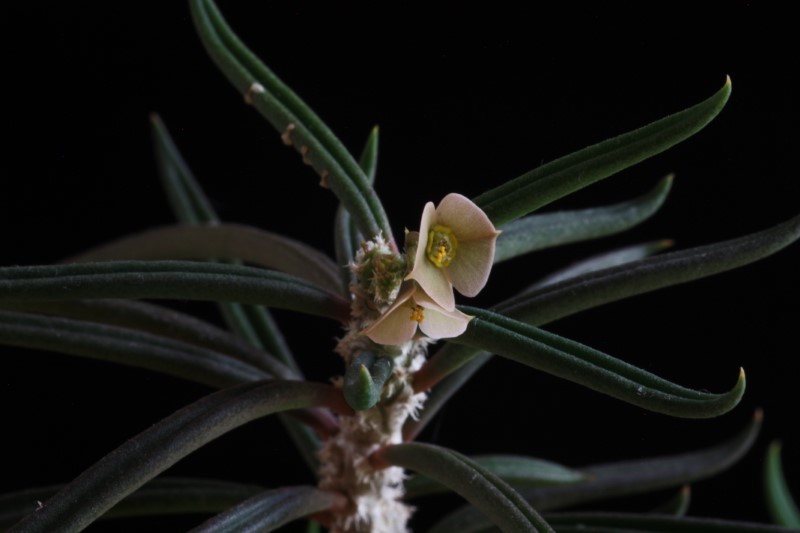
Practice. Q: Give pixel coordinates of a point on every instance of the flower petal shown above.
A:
(439, 323)
(395, 326)
(467, 220)
(431, 278)
(469, 272)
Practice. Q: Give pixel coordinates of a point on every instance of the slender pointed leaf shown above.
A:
(221, 241)
(570, 296)
(125, 346)
(563, 176)
(518, 471)
(611, 480)
(270, 510)
(570, 360)
(298, 124)
(614, 258)
(537, 232)
(191, 206)
(253, 323)
(499, 502)
(159, 497)
(597, 288)
(346, 236)
(168, 279)
(146, 455)
(158, 320)
(780, 503)
(588, 522)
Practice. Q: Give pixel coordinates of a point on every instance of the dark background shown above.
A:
(465, 99)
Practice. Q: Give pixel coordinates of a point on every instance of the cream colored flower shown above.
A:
(414, 309)
(456, 249)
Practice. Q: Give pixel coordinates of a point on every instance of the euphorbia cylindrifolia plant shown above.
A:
(410, 338)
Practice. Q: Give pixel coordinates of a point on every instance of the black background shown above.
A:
(465, 99)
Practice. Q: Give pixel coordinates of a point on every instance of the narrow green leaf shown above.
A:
(288, 114)
(537, 232)
(499, 502)
(563, 176)
(160, 321)
(125, 346)
(678, 505)
(364, 379)
(623, 478)
(270, 510)
(588, 522)
(591, 290)
(159, 497)
(221, 241)
(575, 362)
(168, 279)
(614, 258)
(346, 236)
(780, 503)
(152, 451)
(518, 471)
(191, 206)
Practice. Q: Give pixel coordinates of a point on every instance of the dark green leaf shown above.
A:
(270, 510)
(499, 502)
(623, 478)
(159, 497)
(598, 522)
(298, 124)
(570, 360)
(518, 471)
(126, 346)
(780, 503)
(168, 279)
(537, 232)
(221, 241)
(591, 290)
(563, 176)
(146, 455)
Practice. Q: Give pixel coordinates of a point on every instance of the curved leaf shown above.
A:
(614, 258)
(161, 321)
(537, 232)
(126, 346)
(270, 510)
(477, 485)
(346, 236)
(780, 504)
(570, 173)
(191, 206)
(598, 522)
(159, 497)
(154, 450)
(220, 241)
(518, 471)
(580, 364)
(168, 279)
(590, 290)
(288, 114)
(623, 478)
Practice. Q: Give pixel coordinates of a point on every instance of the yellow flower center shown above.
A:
(417, 314)
(442, 245)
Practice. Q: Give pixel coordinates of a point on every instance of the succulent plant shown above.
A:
(407, 341)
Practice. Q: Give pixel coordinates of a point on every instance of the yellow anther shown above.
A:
(442, 246)
(417, 313)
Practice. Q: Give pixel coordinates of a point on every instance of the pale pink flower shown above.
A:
(414, 309)
(455, 249)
